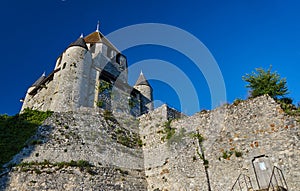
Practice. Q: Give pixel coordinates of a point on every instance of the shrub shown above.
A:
(264, 82)
(238, 153)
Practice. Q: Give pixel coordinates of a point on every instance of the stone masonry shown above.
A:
(135, 154)
(252, 128)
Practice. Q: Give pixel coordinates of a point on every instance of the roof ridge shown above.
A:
(142, 80)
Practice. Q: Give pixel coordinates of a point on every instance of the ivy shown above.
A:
(104, 86)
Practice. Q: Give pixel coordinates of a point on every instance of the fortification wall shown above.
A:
(48, 177)
(168, 159)
(252, 128)
(111, 144)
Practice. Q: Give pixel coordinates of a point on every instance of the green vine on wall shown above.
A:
(104, 86)
(168, 131)
(200, 152)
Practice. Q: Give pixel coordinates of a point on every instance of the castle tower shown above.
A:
(71, 80)
(143, 86)
(106, 56)
(34, 86)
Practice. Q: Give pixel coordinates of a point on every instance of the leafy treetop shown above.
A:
(264, 82)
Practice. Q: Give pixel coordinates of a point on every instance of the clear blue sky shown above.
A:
(241, 35)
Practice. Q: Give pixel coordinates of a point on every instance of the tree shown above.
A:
(266, 82)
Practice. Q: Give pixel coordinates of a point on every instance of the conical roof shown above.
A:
(142, 80)
(79, 42)
(38, 81)
(98, 37)
(94, 37)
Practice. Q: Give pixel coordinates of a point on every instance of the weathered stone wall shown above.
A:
(42, 100)
(252, 128)
(168, 160)
(146, 98)
(52, 178)
(110, 143)
(118, 100)
(71, 89)
(76, 84)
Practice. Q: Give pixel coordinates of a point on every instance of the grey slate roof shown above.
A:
(38, 81)
(79, 42)
(142, 80)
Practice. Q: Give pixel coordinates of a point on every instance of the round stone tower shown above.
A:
(71, 81)
(146, 97)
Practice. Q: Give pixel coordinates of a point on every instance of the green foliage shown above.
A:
(100, 103)
(237, 101)
(16, 130)
(200, 153)
(139, 142)
(177, 137)
(238, 153)
(128, 139)
(288, 107)
(199, 137)
(104, 86)
(264, 82)
(168, 130)
(227, 154)
(108, 115)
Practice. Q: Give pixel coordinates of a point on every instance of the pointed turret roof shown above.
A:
(79, 42)
(98, 37)
(94, 37)
(142, 80)
(38, 81)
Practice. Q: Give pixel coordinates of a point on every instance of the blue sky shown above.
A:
(240, 34)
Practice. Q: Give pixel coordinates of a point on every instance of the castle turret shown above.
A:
(33, 87)
(71, 89)
(143, 86)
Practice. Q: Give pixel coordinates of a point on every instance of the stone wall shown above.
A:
(168, 159)
(111, 144)
(251, 128)
(74, 178)
(76, 82)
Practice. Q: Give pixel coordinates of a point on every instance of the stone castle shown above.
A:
(251, 145)
(91, 73)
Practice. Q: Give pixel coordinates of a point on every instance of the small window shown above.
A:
(113, 53)
(64, 66)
